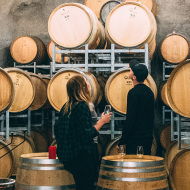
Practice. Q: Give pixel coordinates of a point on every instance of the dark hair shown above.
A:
(139, 70)
(77, 91)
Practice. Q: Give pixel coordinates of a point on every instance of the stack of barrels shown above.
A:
(174, 50)
(20, 91)
(128, 25)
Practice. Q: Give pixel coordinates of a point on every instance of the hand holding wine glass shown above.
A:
(106, 115)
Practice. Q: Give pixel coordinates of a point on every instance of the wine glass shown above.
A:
(140, 151)
(107, 109)
(121, 151)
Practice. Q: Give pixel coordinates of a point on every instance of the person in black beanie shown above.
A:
(138, 128)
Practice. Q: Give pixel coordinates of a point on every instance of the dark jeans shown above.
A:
(132, 143)
(84, 169)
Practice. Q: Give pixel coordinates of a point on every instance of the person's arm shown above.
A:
(131, 117)
(105, 118)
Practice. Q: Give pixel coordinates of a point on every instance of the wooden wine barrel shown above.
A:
(72, 25)
(150, 4)
(164, 96)
(24, 89)
(174, 48)
(7, 91)
(28, 49)
(165, 136)
(57, 93)
(46, 79)
(112, 147)
(178, 91)
(171, 152)
(101, 98)
(118, 86)
(40, 140)
(57, 55)
(26, 147)
(95, 5)
(96, 88)
(179, 170)
(106, 9)
(143, 173)
(8, 161)
(103, 141)
(40, 92)
(42, 173)
(136, 26)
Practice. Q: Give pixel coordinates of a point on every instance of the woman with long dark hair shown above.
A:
(75, 134)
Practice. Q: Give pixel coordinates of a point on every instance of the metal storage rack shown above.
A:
(5, 118)
(182, 123)
(110, 64)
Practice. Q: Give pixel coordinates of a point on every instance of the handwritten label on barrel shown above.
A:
(128, 80)
(18, 77)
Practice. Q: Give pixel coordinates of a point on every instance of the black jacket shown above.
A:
(140, 113)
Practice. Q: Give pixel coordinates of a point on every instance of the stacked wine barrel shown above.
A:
(30, 90)
(28, 49)
(174, 48)
(72, 25)
(175, 93)
(7, 91)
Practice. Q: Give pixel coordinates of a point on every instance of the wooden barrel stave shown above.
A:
(179, 170)
(40, 140)
(178, 93)
(26, 147)
(165, 136)
(150, 4)
(171, 152)
(7, 162)
(7, 91)
(40, 92)
(58, 58)
(23, 98)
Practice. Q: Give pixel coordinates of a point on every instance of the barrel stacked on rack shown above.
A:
(138, 27)
(174, 52)
(175, 92)
(20, 91)
(7, 91)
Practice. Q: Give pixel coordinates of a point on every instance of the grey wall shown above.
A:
(25, 17)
